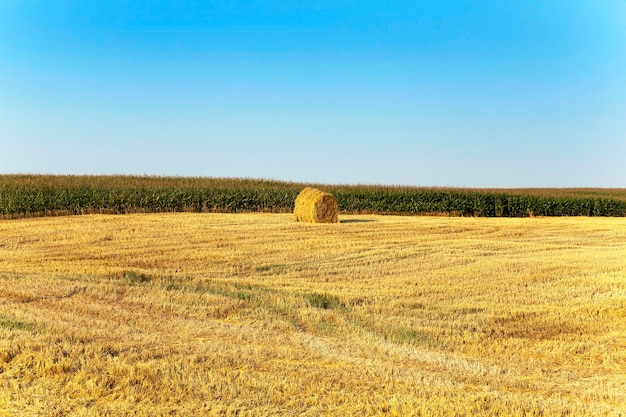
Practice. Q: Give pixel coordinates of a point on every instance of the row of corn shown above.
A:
(37, 195)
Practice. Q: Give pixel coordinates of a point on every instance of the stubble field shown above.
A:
(253, 314)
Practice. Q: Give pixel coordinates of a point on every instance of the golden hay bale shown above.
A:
(315, 206)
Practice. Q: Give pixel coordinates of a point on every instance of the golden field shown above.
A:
(256, 315)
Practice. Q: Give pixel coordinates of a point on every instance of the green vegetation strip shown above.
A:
(12, 324)
(44, 195)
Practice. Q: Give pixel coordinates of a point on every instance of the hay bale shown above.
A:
(315, 206)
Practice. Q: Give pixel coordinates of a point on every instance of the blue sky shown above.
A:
(439, 93)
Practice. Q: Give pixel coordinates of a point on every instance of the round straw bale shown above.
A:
(315, 206)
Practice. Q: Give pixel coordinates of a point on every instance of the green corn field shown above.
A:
(47, 195)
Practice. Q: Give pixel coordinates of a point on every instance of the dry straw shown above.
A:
(315, 206)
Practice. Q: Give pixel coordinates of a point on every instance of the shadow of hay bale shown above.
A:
(356, 221)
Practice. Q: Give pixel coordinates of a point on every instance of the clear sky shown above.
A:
(478, 93)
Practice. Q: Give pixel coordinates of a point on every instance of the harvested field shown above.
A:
(254, 314)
